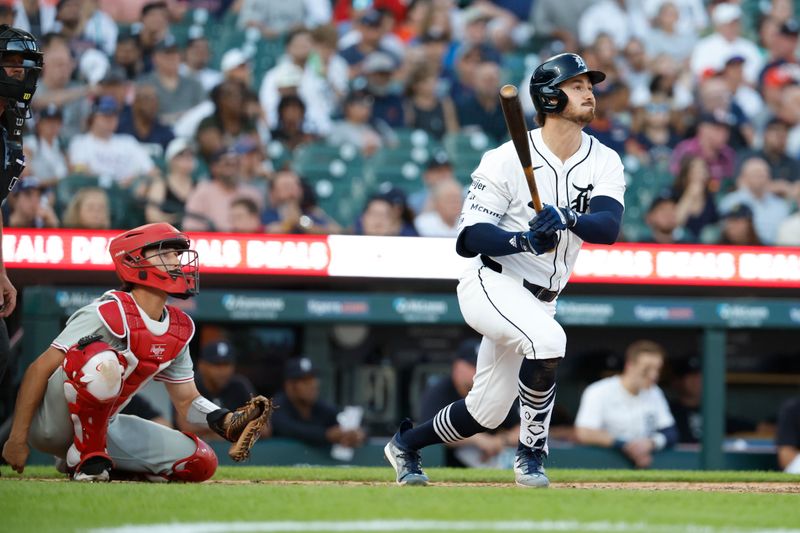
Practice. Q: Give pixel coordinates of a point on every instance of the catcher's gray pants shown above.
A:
(134, 444)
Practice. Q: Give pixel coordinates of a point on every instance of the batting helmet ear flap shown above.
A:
(548, 94)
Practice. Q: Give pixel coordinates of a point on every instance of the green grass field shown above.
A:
(366, 499)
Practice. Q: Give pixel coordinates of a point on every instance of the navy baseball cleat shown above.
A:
(528, 469)
(405, 461)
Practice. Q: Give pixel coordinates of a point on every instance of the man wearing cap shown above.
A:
(712, 51)
(781, 48)
(482, 110)
(371, 29)
(27, 209)
(216, 379)
(176, 93)
(662, 220)
(153, 30)
(209, 204)
(301, 415)
(482, 448)
(166, 198)
(387, 107)
(101, 152)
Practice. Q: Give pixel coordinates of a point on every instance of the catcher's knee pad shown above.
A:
(199, 466)
(93, 383)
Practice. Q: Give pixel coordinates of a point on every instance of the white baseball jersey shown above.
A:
(499, 195)
(607, 405)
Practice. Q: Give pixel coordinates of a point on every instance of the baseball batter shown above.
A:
(522, 262)
(70, 397)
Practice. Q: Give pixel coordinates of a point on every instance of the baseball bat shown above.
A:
(515, 121)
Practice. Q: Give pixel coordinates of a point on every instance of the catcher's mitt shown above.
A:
(244, 426)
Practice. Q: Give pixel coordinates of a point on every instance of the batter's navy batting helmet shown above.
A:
(546, 95)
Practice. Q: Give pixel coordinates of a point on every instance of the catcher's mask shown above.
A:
(19, 49)
(159, 256)
(546, 95)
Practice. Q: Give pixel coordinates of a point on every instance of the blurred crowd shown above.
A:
(367, 116)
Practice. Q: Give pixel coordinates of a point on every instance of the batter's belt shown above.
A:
(539, 292)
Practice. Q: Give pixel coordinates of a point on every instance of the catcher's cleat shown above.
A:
(528, 469)
(95, 468)
(405, 461)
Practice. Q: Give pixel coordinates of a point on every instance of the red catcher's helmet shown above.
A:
(128, 250)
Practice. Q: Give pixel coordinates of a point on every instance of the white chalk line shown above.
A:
(428, 525)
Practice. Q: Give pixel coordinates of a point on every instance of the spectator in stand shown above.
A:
(45, 153)
(236, 65)
(781, 49)
(667, 36)
(379, 218)
(712, 51)
(245, 217)
(325, 61)
(208, 207)
(370, 28)
(737, 227)
(619, 19)
(85, 27)
(291, 123)
(274, 19)
(423, 108)
(387, 107)
(662, 221)
(753, 190)
(167, 197)
(216, 379)
(289, 211)
(711, 143)
(176, 93)
(7, 14)
(482, 110)
(442, 221)
(784, 169)
(142, 122)
(462, 78)
(789, 111)
(696, 208)
(154, 29)
(55, 86)
(656, 138)
(115, 84)
(629, 412)
(438, 170)
(88, 209)
(788, 437)
(229, 122)
(101, 152)
(26, 208)
(716, 97)
(256, 170)
(744, 98)
(37, 17)
(475, 21)
(128, 55)
(303, 416)
(296, 74)
(355, 127)
(481, 449)
(556, 20)
(196, 58)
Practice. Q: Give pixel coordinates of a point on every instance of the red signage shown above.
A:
(413, 258)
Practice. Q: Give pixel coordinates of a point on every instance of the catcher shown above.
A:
(70, 397)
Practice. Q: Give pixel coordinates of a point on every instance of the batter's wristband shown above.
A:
(618, 444)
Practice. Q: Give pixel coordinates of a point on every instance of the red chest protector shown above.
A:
(147, 354)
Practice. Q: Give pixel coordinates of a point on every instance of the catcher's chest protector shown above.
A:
(147, 353)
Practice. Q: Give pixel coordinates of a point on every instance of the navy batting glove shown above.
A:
(535, 243)
(552, 218)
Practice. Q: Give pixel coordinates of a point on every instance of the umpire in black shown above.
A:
(20, 66)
